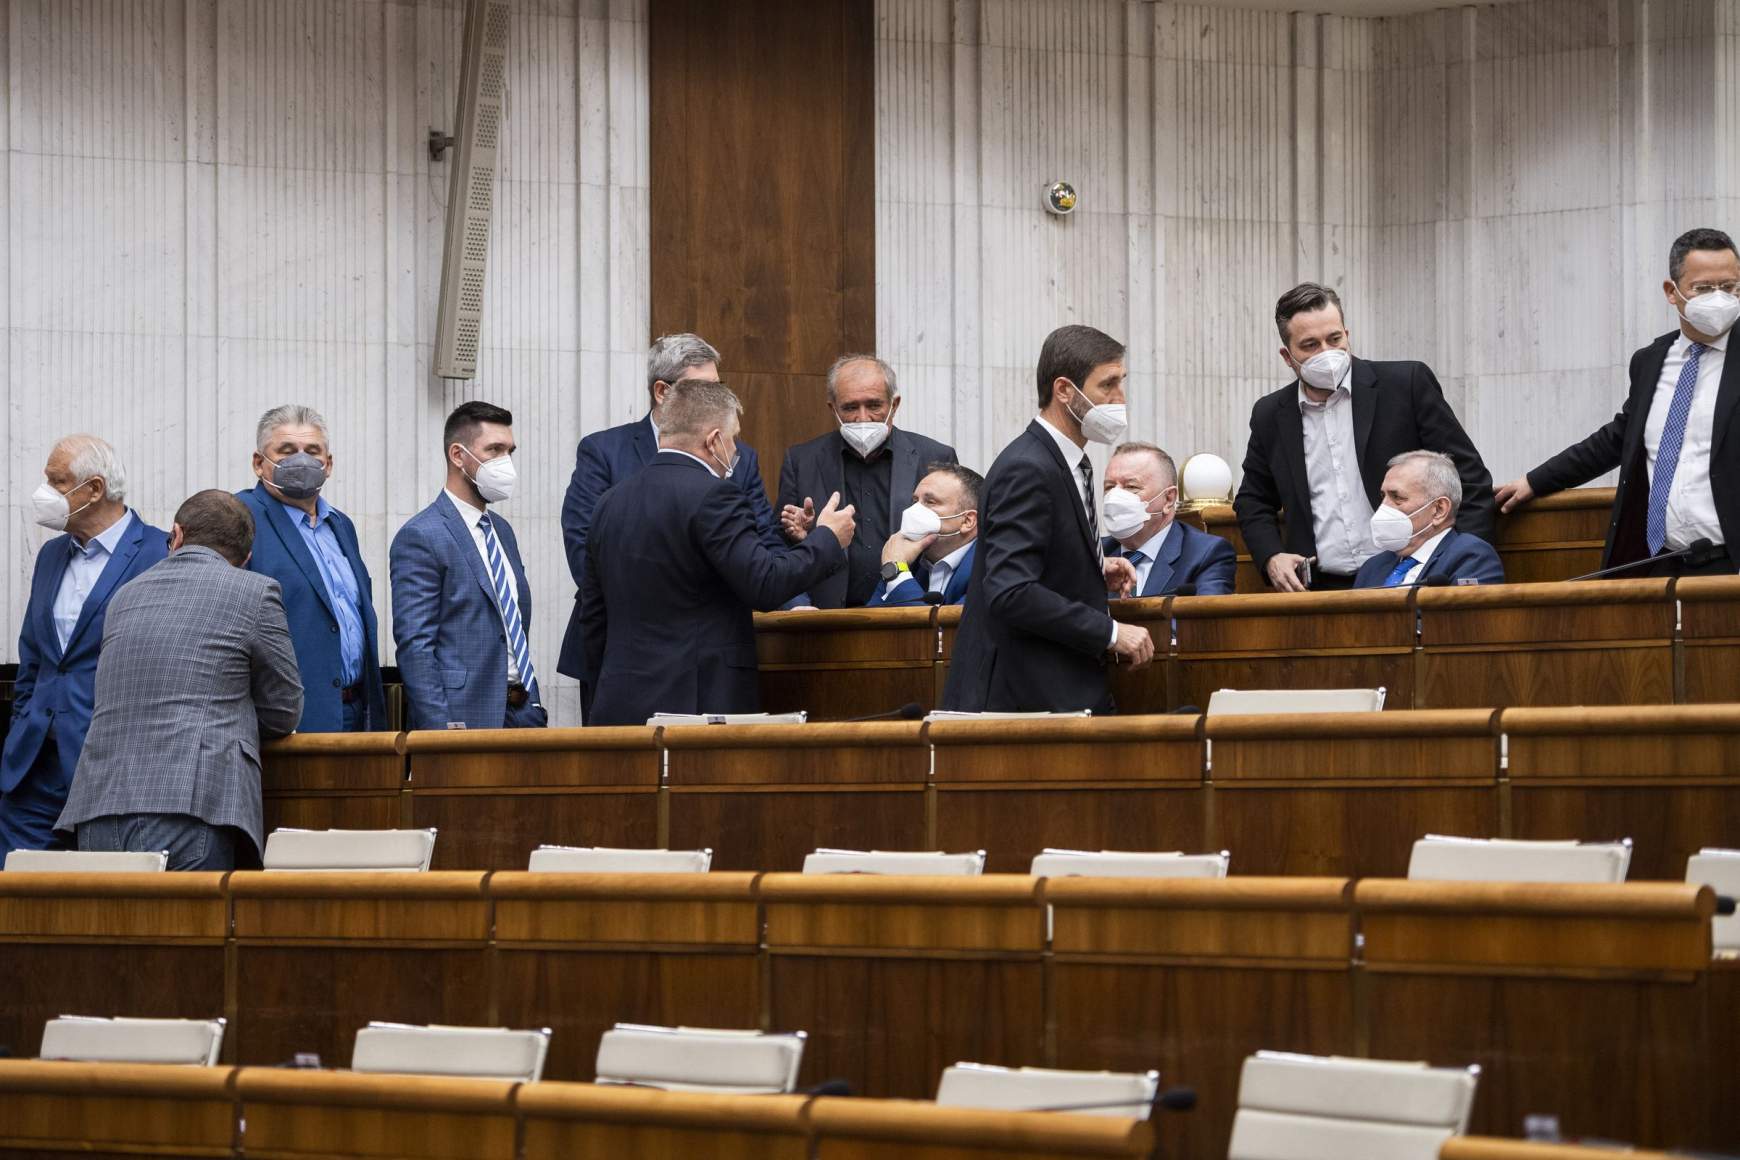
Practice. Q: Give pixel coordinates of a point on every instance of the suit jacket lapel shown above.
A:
(903, 473)
(1644, 391)
(461, 533)
(1365, 404)
(353, 556)
(284, 526)
(1043, 437)
(956, 588)
(119, 561)
(1727, 397)
(1292, 444)
(1161, 571)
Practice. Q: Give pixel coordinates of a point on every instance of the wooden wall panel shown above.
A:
(763, 186)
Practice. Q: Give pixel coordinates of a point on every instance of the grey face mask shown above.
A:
(298, 476)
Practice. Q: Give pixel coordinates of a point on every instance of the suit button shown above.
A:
(334, 627)
(335, 682)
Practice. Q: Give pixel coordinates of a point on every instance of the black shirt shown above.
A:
(866, 484)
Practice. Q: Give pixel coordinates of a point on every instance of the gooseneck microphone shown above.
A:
(911, 711)
(1177, 1099)
(1698, 553)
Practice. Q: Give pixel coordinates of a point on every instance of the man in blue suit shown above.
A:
(309, 547)
(1415, 528)
(105, 545)
(1140, 498)
(462, 610)
(606, 458)
(675, 566)
(925, 554)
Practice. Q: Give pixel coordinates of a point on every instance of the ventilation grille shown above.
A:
(471, 189)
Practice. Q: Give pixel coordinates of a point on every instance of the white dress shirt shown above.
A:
(1691, 507)
(1340, 511)
(1073, 455)
(471, 516)
(1423, 556)
(1150, 552)
(82, 573)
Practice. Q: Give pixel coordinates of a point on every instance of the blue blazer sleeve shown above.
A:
(1477, 559)
(415, 573)
(749, 472)
(909, 593)
(1219, 572)
(590, 480)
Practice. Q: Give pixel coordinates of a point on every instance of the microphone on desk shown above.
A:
(1698, 553)
(1184, 590)
(828, 1087)
(1435, 580)
(1178, 1099)
(933, 598)
(911, 711)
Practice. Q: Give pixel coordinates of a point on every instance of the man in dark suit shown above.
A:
(1035, 634)
(926, 555)
(462, 610)
(1141, 505)
(1319, 447)
(310, 548)
(105, 545)
(606, 458)
(675, 565)
(1676, 441)
(873, 464)
(197, 668)
(1415, 529)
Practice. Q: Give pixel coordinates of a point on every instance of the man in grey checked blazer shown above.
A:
(196, 667)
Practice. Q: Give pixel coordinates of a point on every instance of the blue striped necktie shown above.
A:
(1402, 568)
(501, 579)
(1667, 453)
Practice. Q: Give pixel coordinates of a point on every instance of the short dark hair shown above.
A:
(217, 520)
(972, 483)
(1301, 298)
(1698, 239)
(1072, 352)
(467, 419)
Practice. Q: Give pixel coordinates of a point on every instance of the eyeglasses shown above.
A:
(1698, 289)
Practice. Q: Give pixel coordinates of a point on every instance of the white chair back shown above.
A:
(696, 1059)
(936, 864)
(474, 1052)
(1120, 864)
(1302, 1107)
(1719, 870)
(1038, 1089)
(391, 850)
(85, 862)
(186, 1041)
(1223, 701)
(602, 860)
(1444, 859)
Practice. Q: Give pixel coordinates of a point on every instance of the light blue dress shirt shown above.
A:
(82, 573)
(341, 590)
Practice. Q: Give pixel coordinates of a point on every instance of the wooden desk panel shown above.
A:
(579, 953)
(1295, 640)
(763, 796)
(896, 978)
(1013, 788)
(498, 794)
(349, 781)
(318, 956)
(563, 1120)
(1191, 976)
(1710, 631)
(1348, 793)
(62, 936)
(1668, 778)
(1494, 1148)
(323, 1114)
(896, 1130)
(58, 1108)
(1148, 689)
(846, 662)
(1607, 642)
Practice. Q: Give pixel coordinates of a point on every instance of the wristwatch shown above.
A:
(892, 570)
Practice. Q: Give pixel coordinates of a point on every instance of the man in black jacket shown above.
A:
(1320, 447)
(675, 565)
(1036, 634)
(1679, 468)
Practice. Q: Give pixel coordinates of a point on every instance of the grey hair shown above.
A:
(1439, 473)
(693, 408)
(89, 457)
(289, 415)
(887, 372)
(672, 354)
(1167, 467)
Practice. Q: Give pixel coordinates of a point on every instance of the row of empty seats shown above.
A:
(1289, 1105)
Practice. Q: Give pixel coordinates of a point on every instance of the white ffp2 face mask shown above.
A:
(1325, 369)
(1124, 511)
(1713, 314)
(495, 478)
(918, 521)
(1392, 528)
(864, 438)
(51, 508)
(1103, 422)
